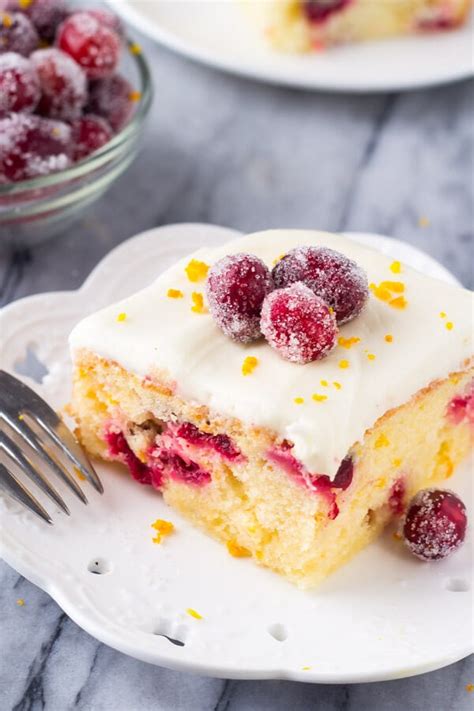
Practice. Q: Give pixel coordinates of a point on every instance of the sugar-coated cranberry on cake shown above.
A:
(313, 25)
(290, 393)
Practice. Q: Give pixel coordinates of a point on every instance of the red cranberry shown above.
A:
(108, 19)
(89, 134)
(17, 34)
(19, 84)
(320, 10)
(31, 146)
(220, 443)
(111, 98)
(236, 287)
(435, 524)
(93, 45)
(461, 407)
(298, 324)
(331, 275)
(396, 499)
(44, 14)
(63, 84)
(120, 449)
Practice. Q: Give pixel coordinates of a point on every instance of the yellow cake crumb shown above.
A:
(196, 270)
(174, 294)
(337, 385)
(298, 400)
(344, 364)
(348, 342)
(162, 528)
(381, 441)
(389, 338)
(249, 365)
(381, 483)
(198, 303)
(20, 602)
(121, 317)
(236, 550)
(319, 398)
(194, 613)
(396, 267)
(396, 462)
(449, 326)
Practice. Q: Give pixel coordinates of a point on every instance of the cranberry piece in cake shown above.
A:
(320, 10)
(19, 84)
(331, 275)
(298, 324)
(435, 524)
(89, 134)
(63, 84)
(112, 98)
(44, 14)
(93, 45)
(31, 146)
(17, 34)
(236, 287)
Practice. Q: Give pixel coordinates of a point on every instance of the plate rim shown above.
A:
(112, 636)
(172, 41)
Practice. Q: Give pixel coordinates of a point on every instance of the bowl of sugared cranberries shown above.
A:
(74, 93)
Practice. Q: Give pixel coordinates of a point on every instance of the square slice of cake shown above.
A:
(294, 450)
(312, 25)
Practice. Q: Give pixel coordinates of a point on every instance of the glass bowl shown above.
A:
(33, 210)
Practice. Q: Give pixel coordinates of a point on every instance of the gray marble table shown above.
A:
(225, 150)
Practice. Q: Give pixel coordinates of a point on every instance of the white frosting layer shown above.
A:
(163, 333)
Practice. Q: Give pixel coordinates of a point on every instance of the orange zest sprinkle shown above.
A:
(324, 383)
(442, 314)
(79, 474)
(423, 221)
(371, 356)
(396, 536)
(449, 326)
(381, 441)
(469, 688)
(7, 20)
(399, 303)
(319, 398)
(174, 294)
(135, 95)
(348, 342)
(305, 668)
(385, 292)
(196, 270)
(24, 4)
(298, 400)
(121, 317)
(237, 551)
(135, 48)
(162, 528)
(278, 259)
(337, 385)
(396, 267)
(20, 602)
(344, 364)
(249, 365)
(389, 338)
(194, 613)
(21, 418)
(198, 303)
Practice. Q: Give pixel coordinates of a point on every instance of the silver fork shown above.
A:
(31, 432)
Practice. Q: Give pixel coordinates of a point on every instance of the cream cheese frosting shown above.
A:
(399, 352)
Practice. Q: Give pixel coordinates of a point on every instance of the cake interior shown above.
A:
(243, 485)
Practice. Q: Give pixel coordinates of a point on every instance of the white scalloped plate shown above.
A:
(219, 33)
(383, 616)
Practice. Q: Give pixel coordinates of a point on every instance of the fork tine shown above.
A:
(24, 431)
(64, 439)
(11, 485)
(16, 455)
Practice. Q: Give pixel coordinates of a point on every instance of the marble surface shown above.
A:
(229, 151)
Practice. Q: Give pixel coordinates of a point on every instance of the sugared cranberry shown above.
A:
(89, 134)
(236, 287)
(108, 19)
(435, 524)
(93, 45)
(320, 10)
(44, 14)
(112, 99)
(19, 84)
(31, 146)
(331, 275)
(17, 34)
(63, 84)
(298, 324)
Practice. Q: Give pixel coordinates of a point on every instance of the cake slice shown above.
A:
(299, 466)
(312, 25)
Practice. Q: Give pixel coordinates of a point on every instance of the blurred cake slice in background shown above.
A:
(313, 25)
